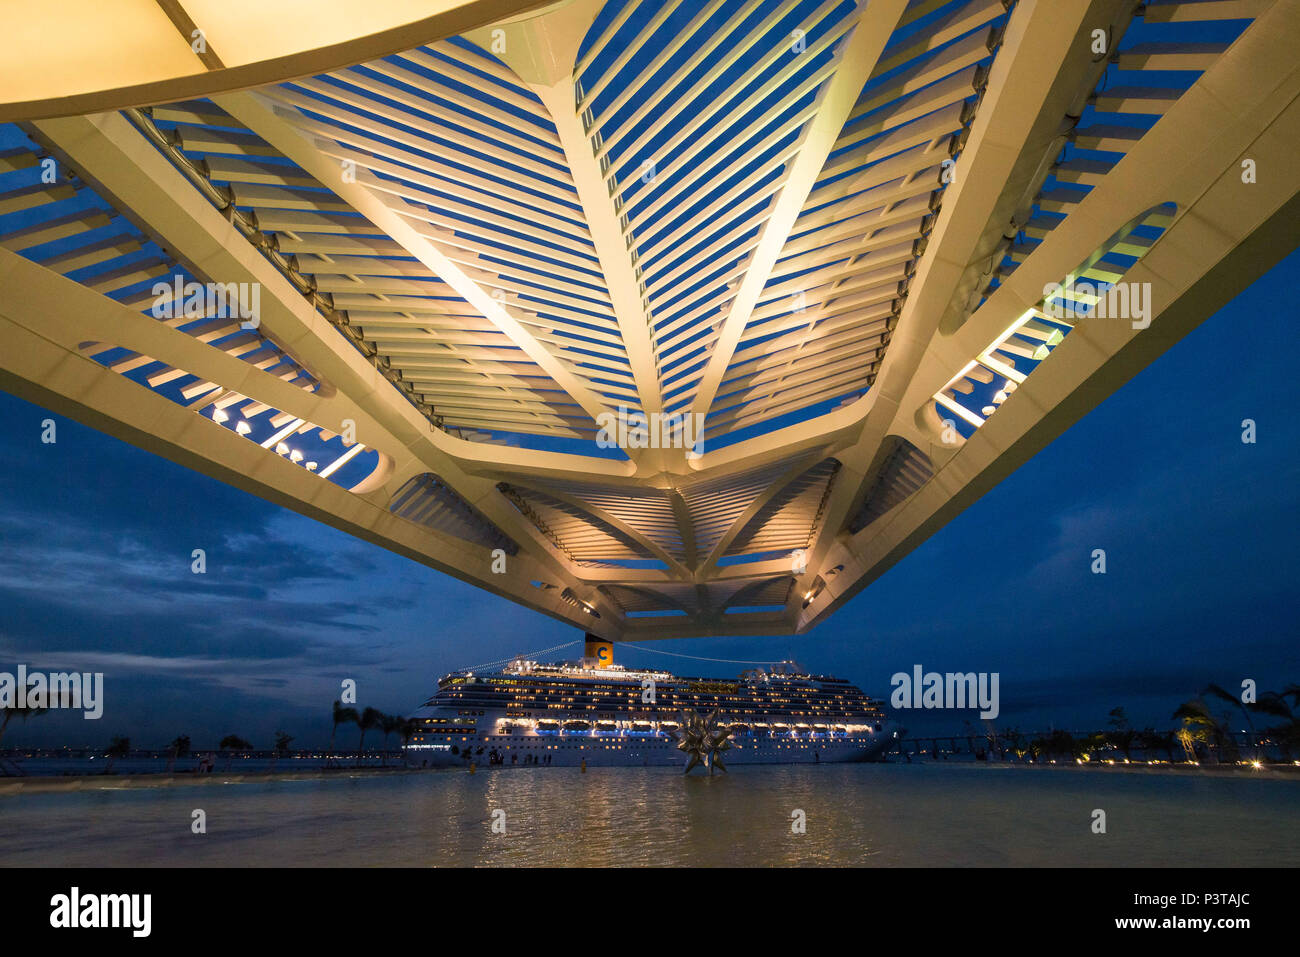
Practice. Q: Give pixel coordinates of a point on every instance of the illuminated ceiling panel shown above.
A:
(662, 318)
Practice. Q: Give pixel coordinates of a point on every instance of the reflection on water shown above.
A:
(878, 815)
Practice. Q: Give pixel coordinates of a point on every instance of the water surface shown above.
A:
(931, 814)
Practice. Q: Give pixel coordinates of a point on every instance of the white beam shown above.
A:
(857, 58)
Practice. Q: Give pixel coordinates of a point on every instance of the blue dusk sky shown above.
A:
(1199, 531)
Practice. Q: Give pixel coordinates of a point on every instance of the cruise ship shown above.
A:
(596, 713)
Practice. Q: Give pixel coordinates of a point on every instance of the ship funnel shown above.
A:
(597, 652)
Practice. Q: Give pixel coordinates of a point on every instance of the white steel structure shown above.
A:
(662, 318)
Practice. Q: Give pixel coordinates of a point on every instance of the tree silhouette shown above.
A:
(232, 743)
(407, 731)
(119, 747)
(14, 712)
(180, 747)
(1200, 726)
(1273, 703)
(369, 719)
(1235, 701)
(341, 715)
(388, 723)
(282, 740)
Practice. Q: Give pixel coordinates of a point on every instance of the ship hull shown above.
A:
(572, 750)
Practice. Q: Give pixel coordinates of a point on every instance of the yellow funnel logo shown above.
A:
(602, 651)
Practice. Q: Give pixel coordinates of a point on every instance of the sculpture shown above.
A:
(702, 740)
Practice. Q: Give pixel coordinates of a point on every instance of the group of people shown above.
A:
(499, 757)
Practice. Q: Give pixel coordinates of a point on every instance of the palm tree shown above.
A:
(232, 743)
(997, 742)
(1150, 740)
(388, 723)
(180, 746)
(1167, 741)
(1222, 695)
(282, 740)
(119, 747)
(1123, 739)
(24, 713)
(1091, 744)
(370, 718)
(1291, 691)
(1016, 743)
(1287, 734)
(1199, 725)
(406, 730)
(341, 715)
(1123, 735)
(1063, 743)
